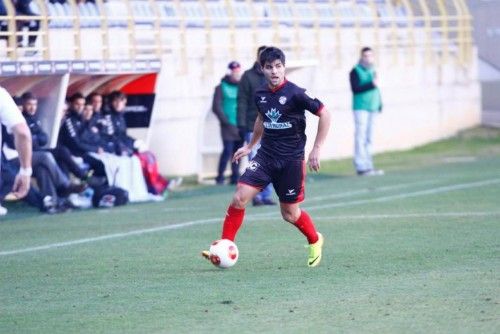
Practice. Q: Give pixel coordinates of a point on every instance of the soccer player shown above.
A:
(14, 122)
(280, 127)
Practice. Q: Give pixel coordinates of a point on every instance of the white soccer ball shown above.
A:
(223, 253)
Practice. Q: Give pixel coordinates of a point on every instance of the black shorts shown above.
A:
(287, 177)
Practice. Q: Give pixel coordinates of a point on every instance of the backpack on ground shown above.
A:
(156, 183)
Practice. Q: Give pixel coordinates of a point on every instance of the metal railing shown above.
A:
(440, 29)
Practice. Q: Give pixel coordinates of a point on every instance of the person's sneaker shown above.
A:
(49, 205)
(3, 211)
(315, 251)
(174, 183)
(257, 202)
(268, 201)
(371, 172)
(74, 188)
(80, 201)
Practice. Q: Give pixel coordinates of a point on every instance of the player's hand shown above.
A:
(21, 186)
(242, 151)
(313, 161)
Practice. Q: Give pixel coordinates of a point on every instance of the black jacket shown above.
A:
(356, 87)
(70, 135)
(116, 131)
(90, 135)
(38, 137)
(227, 130)
(251, 80)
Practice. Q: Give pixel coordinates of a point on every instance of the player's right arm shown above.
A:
(22, 139)
(14, 122)
(258, 130)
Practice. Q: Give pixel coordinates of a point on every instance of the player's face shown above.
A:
(274, 72)
(96, 103)
(88, 111)
(77, 105)
(119, 104)
(368, 57)
(30, 107)
(236, 74)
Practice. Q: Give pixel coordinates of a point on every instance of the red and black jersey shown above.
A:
(283, 113)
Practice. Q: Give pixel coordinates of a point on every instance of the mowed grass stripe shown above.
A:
(88, 224)
(430, 191)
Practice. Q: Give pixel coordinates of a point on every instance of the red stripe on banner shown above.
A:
(143, 85)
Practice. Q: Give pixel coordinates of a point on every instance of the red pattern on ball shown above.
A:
(232, 253)
(215, 259)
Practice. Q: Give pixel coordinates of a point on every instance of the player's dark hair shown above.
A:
(271, 54)
(116, 95)
(260, 49)
(76, 96)
(91, 96)
(27, 96)
(366, 48)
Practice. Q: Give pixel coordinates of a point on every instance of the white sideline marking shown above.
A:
(367, 191)
(214, 220)
(111, 236)
(411, 215)
(432, 191)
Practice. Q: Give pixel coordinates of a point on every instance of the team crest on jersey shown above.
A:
(263, 99)
(274, 115)
(282, 99)
(253, 165)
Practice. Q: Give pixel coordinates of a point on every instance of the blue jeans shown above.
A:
(267, 191)
(229, 148)
(363, 122)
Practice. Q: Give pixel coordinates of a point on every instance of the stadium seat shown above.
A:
(117, 13)
(243, 14)
(143, 14)
(89, 14)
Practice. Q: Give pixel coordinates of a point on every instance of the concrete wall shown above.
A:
(487, 37)
(422, 103)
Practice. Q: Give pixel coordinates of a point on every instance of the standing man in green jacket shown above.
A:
(224, 107)
(252, 80)
(366, 104)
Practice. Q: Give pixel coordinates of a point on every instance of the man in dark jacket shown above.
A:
(115, 128)
(71, 132)
(115, 131)
(252, 80)
(29, 104)
(224, 107)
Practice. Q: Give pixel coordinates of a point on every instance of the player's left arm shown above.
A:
(323, 127)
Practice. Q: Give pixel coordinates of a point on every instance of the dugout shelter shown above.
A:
(52, 81)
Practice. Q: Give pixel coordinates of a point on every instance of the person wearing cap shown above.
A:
(224, 107)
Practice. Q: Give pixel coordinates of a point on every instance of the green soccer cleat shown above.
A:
(315, 252)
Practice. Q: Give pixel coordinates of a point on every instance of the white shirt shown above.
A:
(10, 115)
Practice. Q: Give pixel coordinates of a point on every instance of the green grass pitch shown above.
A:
(414, 251)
